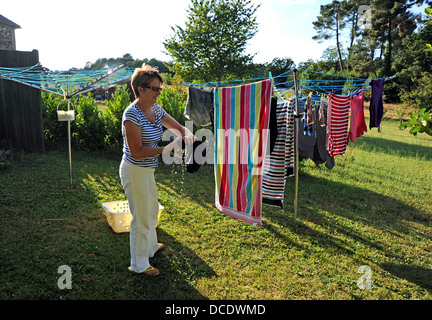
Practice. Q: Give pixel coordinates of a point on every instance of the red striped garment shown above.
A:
(337, 123)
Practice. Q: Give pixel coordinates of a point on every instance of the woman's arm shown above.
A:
(171, 123)
(137, 150)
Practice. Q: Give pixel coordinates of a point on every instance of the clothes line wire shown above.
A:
(68, 84)
(298, 84)
(58, 82)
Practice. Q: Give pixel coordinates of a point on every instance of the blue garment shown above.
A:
(151, 133)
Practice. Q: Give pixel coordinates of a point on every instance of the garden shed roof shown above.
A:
(5, 20)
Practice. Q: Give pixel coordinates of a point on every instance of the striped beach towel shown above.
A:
(241, 127)
(337, 119)
(280, 162)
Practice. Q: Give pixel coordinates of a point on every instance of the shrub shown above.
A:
(113, 117)
(93, 130)
(55, 132)
(420, 122)
(88, 128)
(420, 96)
(173, 100)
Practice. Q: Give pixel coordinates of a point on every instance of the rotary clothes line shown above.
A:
(68, 84)
(342, 109)
(233, 184)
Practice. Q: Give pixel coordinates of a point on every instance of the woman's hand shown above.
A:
(172, 124)
(188, 137)
(175, 144)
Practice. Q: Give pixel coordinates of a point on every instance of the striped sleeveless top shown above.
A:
(151, 133)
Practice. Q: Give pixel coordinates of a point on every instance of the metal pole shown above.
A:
(296, 133)
(69, 136)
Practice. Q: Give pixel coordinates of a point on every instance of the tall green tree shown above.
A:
(356, 20)
(278, 66)
(212, 44)
(428, 13)
(414, 67)
(330, 24)
(395, 21)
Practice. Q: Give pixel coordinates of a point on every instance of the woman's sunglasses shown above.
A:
(154, 89)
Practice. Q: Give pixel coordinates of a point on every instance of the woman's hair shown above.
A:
(142, 77)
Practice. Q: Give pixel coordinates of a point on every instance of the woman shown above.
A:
(142, 130)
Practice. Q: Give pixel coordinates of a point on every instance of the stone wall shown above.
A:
(7, 37)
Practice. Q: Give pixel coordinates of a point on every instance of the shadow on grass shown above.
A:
(191, 185)
(375, 144)
(318, 195)
(331, 215)
(337, 208)
(179, 267)
(414, 274)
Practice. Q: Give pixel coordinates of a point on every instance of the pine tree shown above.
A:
(394, 21)
(330, 24)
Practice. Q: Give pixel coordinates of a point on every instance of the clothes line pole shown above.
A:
(69, 135)
(296, 141)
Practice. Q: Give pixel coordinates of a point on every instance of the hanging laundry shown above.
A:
(337, 123)
(357, 124)
(273, 123)
(376, 107)
(321, 154)
(308, 119)
(241, 126)
(193, 159)
(199, 106)
(321, 116)
(314, 146)
(280, 158)
(290, 143)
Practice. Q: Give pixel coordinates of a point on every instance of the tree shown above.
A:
(106, 63)
(211, 46)
(278, 66)
(330, 24)
(395, 21)
(414, 67)
(428, 12)
(421, 122)
(330, 57)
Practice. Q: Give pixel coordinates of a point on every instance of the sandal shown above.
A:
(161, 246)
(151, 271)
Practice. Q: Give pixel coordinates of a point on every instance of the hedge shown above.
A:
(95, 128)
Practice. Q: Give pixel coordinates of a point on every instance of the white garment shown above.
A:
(140, 190)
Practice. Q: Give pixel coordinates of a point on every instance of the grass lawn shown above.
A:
(372, 209)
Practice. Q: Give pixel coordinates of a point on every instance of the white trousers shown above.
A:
(140, 189)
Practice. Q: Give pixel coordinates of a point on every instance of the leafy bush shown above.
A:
(94, 130)
(113, 117)
(420, 96)
(420, 122)
(173, 100)
(88, 128)
(55, 132)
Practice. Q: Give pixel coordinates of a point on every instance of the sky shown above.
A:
(69, 34)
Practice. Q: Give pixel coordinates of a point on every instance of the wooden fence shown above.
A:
(20, 105)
